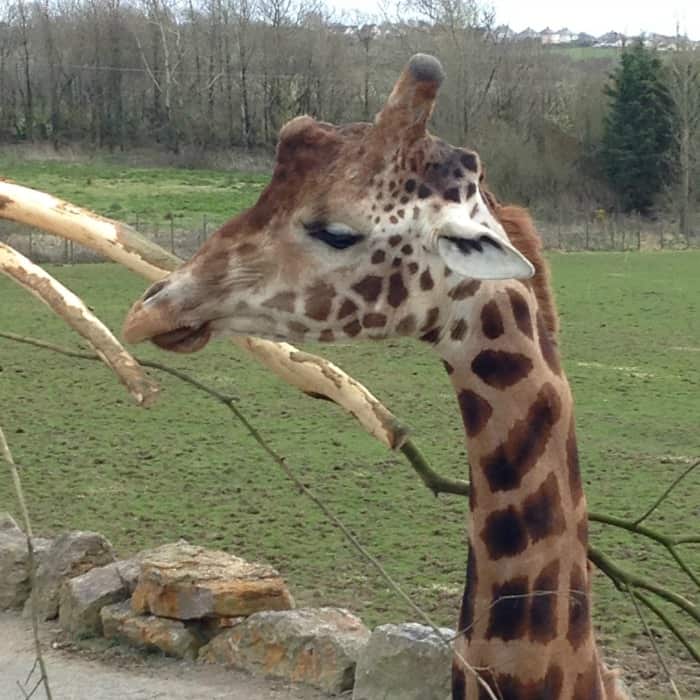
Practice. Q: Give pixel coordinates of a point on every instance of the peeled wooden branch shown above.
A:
(74, 312)
(622, 579)
(110, 238)
(314, 375)
(6, 455)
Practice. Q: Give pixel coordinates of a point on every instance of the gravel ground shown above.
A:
(118, 674)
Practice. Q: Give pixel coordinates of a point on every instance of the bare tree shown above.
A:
(684, 91)
(166, 48)
(25, 23)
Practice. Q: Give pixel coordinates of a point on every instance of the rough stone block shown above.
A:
(14, 562)
(186, 582)
(172, 637)
(82, 598)
(404, 662)
(319, 647)
(69, 555)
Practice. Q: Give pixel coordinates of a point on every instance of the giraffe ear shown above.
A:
(475, 251)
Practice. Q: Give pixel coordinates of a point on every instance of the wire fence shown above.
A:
(599, 232)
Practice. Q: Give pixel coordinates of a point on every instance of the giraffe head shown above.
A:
(365, 230)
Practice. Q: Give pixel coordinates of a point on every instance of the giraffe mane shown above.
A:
(521, 230)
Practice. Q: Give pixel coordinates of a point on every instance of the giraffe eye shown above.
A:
(336, 236)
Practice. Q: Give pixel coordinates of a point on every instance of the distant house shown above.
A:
(660, 42)
(547, 36)
(584, 39)
(504, 33)
(612, 40)
(526, 34)
(566, 36)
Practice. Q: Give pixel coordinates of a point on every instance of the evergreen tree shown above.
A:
(638, 130)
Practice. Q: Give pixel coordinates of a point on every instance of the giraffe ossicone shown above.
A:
(380, 230)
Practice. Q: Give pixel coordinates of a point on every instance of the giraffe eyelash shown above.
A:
(336, 236)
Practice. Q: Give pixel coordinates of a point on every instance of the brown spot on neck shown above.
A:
(397, 290)
(407, 325)
(476, 411)
(501, 369)
(508, 611)
(579, 613)
(491, 320)
(521, 312)
(319, 299)
(5, 201)
(505, 467)
(504, 533)
(543, 609)
(542, 510)
(426, 280)
(369, 288)
(464, 289)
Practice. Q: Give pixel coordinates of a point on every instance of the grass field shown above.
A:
(92, 460)
(148, 197)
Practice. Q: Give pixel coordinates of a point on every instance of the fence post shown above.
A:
(204, 229)
(172, 234)
(559, 227)
(588, 243)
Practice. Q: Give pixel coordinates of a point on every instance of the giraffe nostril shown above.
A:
(154, 289)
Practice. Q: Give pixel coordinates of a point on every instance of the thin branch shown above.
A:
(71, 309)
(435, 482)
(663, 496)
(282, 462)
(654, 646)
(669, 543)
(31, 562)
(621, 578)
(615, 572)
(694, 653)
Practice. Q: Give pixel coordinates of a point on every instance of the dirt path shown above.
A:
(118, 674)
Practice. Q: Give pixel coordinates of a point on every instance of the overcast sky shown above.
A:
(592, 16)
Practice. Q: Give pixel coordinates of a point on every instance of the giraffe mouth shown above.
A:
(184, 339)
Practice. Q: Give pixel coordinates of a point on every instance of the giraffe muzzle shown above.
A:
(158, 317)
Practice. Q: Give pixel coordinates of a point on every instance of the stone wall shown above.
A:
(207, 605)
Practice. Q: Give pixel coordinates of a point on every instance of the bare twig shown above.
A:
(435, 482)
(19, 492)
(665, 494)
(313, 375)
(76, 314)
(283, 463)
(654, 645)
(671, 626)
(669, 543)
(621, 578)
(626, 578)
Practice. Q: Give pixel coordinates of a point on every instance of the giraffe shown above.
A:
(382, 230)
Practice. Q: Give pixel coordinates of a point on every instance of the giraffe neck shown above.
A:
(525, 613)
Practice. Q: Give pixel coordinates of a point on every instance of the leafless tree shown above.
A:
(684, 91)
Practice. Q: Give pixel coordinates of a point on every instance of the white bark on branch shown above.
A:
(74, 312)
(311, 374)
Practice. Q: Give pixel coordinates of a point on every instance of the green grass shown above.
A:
(584, 53)
(92, 460)
(149, 196)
